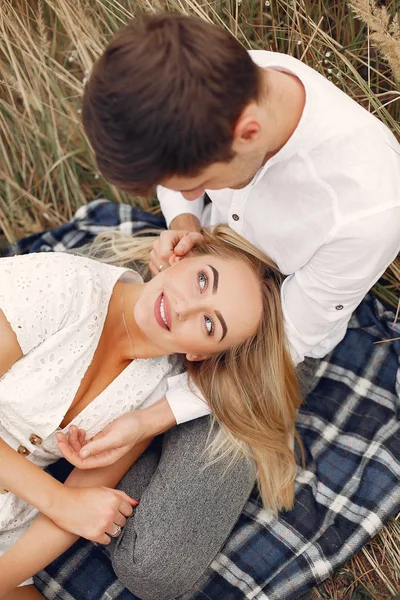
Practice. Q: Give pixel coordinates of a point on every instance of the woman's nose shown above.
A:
(187, 307)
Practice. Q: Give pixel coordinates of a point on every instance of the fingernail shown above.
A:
(85, 453)
(135, 501)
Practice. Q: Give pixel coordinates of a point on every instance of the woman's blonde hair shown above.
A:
(251, 389)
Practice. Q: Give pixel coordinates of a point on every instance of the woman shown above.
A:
(74, 336)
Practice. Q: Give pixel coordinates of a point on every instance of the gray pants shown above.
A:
(186, 513)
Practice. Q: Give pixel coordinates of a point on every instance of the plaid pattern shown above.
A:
(89, 220)
(350, 486)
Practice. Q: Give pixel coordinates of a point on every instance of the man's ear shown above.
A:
(247, 129)
(197, 357)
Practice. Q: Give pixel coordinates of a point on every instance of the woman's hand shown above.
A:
(92, 513)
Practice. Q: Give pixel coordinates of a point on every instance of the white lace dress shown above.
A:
(56, 304)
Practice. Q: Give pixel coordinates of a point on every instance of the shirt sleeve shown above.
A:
(319, 299)
(185, 404)
(174, 204)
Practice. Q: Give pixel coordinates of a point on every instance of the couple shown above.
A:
(300, 171)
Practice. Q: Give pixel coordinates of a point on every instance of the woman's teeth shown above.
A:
(162, 312)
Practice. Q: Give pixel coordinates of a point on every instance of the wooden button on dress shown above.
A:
(36, 440)
(22, 450)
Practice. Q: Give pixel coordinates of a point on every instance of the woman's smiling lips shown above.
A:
(162, 312)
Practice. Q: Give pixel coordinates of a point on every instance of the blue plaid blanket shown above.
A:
(349, 487)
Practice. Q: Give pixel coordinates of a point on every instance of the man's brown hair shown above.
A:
(164, 98)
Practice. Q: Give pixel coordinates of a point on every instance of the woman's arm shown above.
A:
(44, 541)
(87, 513)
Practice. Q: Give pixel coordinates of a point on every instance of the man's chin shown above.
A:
(240, 186)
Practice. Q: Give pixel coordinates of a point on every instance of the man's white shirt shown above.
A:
(326, 208)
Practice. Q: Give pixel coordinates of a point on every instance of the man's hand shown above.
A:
(184, 233)
(117, 438)
(105, 448)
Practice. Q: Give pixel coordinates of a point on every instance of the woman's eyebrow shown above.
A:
(216, 279)
(218, 314)
(223, 324)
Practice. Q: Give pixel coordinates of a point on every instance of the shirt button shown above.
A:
(339, 307)
(235, 217)
(35, 440)
(22, 450)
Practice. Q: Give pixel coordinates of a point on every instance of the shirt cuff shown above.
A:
(185, 405)
(174, 204)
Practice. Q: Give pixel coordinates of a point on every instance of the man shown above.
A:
(292, 164)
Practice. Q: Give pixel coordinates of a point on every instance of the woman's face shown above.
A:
(199, 306)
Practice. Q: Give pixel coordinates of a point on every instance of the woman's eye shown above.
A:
(203, 281)
(209, 325)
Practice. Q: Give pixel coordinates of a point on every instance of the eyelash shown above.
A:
(202, 274)
(206, 317)
(209, 333)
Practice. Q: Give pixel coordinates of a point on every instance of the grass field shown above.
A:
(47, 48)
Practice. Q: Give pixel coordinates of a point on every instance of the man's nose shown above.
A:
(193, 195)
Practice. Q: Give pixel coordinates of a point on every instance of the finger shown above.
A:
(73, 438)
(95, 462)
(126, 504)
(61, 437)
(157, 263)
(71, 456)
(153, 270)
(82, 437)
(120, 519)
(103, 539)
(98, 445)
(187, 243)
(156, 245)
(174, 259)
(125, 509)
(154, 258)
(112, 530)
(124, 496)
(104, 459)
(166, 243)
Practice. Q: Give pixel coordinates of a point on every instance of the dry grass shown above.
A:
(47, 48)
(373, 574)
(384, 30)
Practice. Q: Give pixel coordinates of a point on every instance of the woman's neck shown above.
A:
(121, 331)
